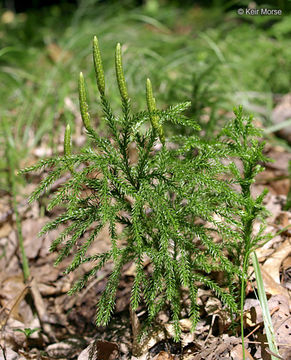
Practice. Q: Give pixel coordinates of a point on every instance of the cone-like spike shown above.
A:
(83, 103)
(150, 96)
(98, 66)
(119, 74)
(67, 141)
(151, 103)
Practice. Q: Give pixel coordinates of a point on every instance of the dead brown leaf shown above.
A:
(63, 350)
(107, 350)
(45, 274)
(281, 161)
(274, 205)
(12, 293)
(282, 325)
(271, 287)
(163, 355)
(32, 242)
(237, 353)
(273, 263)
(5, 229)
(41, 309)
(286, 273)
(282, 112)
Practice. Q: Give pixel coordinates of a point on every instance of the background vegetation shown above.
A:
(202, 51)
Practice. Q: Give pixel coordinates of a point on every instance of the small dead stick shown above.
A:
(273, 354)
(210, 329)
(259, 325)
(5, 313)
(265, 343)
(3, 351)
(38, 303)
(135, 325)
(40, 309)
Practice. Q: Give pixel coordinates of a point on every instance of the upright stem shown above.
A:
(247, 225)
(242, 300)
(11, 180)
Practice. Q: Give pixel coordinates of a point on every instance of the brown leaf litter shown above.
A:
(68, 330)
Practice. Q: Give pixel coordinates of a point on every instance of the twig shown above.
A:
(259, 325)
(273, 354)
(41, 309)
(266, 343)
(135, 324)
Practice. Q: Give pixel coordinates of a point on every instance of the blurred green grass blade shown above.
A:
(150, 21)
(265, 309)
(213, 46)
(277, 127)
(8, 49)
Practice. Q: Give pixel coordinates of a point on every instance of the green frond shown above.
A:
(226, 298)
(80, 283)
(64, 252)
(194, 308)
(47, 182)
(63, 235)
(75, 215)
(137, 285)
(80, 254)
(107, 301)
(41, 164)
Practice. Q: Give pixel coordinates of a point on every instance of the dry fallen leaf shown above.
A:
(237, 353)
(274, 205)
(12, 293)
(271, 287)
(63, 349)
(185, 324)
(107, 350)
(45, 274)
(100, 350)
(5, 230)
(9, 354)
(286, 273)
(163, 355)
(273, 263)
(282, 325)
(32, 242)
(282, 112)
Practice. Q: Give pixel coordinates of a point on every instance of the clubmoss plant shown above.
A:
(169, 202)
(242, 139)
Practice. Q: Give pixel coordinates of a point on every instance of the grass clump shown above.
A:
(172, 201)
